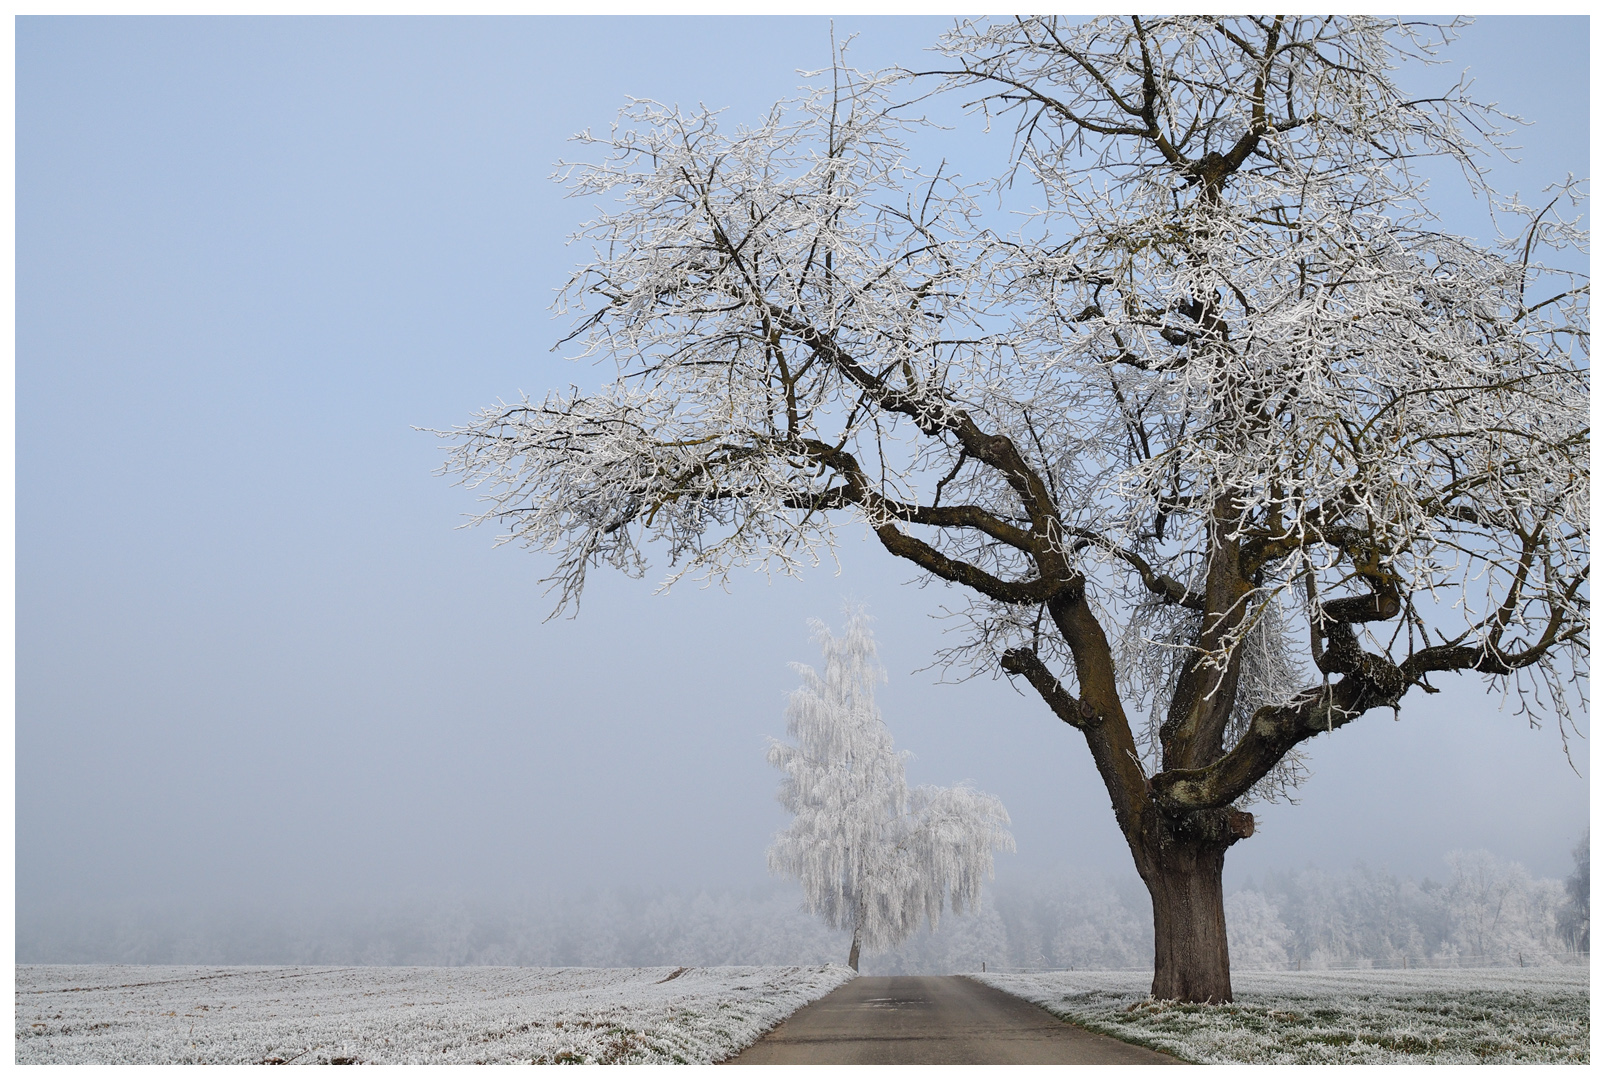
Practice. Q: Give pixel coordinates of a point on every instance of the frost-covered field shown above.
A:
(128, 1014)
(1488, 1015)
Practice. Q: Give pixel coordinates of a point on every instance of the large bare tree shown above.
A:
(1227, 387)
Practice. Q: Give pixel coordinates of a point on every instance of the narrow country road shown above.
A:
(934, 1020)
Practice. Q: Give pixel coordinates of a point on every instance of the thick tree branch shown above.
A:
(858, 490)
(932, 415)
(1025, 662)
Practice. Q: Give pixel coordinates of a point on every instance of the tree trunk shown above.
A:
(1190, 961)
(852, 955)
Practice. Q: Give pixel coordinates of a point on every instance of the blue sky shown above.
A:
(254, 654)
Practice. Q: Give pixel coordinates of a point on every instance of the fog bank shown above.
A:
(1480, 911)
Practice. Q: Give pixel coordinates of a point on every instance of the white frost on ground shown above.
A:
(127, 1014)
(1465, 1016)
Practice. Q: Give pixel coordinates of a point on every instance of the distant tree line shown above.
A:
(1483, 911)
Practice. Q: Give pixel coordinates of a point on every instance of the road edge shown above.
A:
(1093, 1026)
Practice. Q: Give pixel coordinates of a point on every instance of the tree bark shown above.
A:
(852, 954)
(1190, 957)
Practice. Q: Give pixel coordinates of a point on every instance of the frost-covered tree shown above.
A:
(874, 856)
(1573, 915)
(1486, 902)
(1498, 914)
(1098, 928)
(1258, 935)
(1226, 442)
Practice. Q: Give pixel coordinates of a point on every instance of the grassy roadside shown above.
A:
(1494, 1016)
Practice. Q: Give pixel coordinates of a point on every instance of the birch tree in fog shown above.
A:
(1223, 445)
(874, 856)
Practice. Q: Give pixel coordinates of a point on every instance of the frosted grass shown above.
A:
(1496, 1015)
(319, 1015)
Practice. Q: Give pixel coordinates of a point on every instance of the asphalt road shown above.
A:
(934, 1020)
